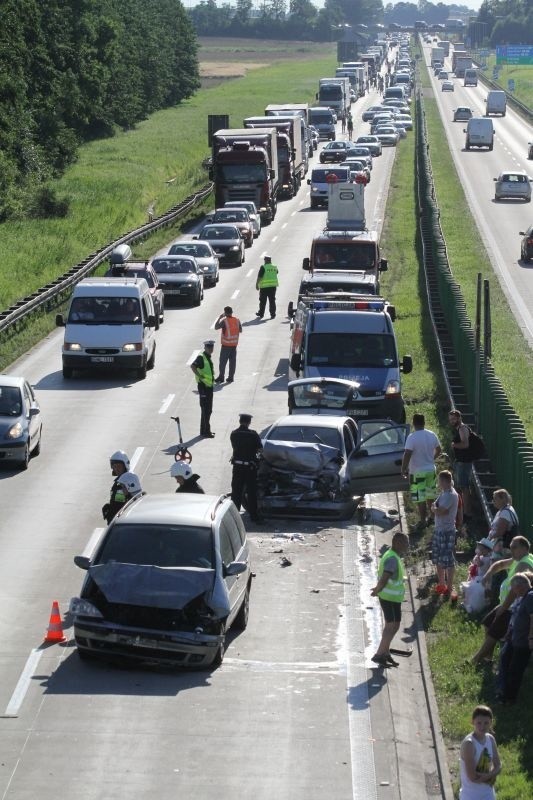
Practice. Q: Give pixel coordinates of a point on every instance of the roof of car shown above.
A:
(308, 421)
(171, 508)
(12, 380)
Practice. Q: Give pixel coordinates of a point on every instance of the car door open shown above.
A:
(375, 464)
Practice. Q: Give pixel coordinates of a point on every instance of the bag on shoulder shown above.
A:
(476, 446)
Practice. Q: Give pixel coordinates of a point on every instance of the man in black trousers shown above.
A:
(246, 446)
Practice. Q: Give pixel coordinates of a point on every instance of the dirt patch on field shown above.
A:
(228, 69)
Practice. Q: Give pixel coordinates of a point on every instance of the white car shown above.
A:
(515, 185)
(388, 136)
(405, 120)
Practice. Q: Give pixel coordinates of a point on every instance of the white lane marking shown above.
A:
(195, 354)
(309, 667)
(235, 294)
(166, 403)
(358, 701)
(249, 273)
(274, 238)
(284, 225)
(135, 457)
(93, 541)
(263, 254)
(23, 684)
(293, 213)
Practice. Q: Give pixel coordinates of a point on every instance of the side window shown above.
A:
(226, 548)
(28, 397)
(237, 524)
(348, 441)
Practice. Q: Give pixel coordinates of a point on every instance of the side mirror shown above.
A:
(34, 411)
(196, 236)
(235, 568)
(82, 562)
(360, 454)
(309, 181)
(383, 265)
(272, 174)
(306, 264)
(406, 365)
(290, 310)
(521, 233)
(495, 179)
(391, 311)
(296, 362)
(60, 321)
(464, 130)
(210, 172)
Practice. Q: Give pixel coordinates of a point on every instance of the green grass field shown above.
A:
(522, 76)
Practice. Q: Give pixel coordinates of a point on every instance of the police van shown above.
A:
(352, 339)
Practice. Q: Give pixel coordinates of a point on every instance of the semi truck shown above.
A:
(244, 166)
(289, 144)
(437, 54)
(362, 73)
(335, 93)
(301, 111)
(462, 63)
(455, 56)
(444, 45)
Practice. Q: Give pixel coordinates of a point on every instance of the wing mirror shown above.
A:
(306, 264)
(383, 265)
(296, 362)
(60, 321)
(82, 562)
(235, 568)
(406, 365)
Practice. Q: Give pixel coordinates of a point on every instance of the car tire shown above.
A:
(162, 315)
(37, 449)
(241, 620)
(67, 372)
(219, 657)
(198, 299)
(141, 372)
(23, 465)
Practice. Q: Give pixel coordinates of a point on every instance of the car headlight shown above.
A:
(72, 346)
(132, 347)
(235, 247)
(82, 608)
(188, 285)
(393, 387)
(314, 188)
(16, 431)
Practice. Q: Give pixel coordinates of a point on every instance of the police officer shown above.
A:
(202, 367)
(246, 446)
(267, 283)
(125, 486)
(186, 479)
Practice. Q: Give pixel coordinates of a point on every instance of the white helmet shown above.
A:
(180, 470)
(120, 455)
(130, 482)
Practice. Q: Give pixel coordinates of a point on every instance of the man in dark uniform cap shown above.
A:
(246, 447)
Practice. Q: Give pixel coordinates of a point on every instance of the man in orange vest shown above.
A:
(230, 328)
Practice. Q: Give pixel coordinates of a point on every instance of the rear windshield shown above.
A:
(164, 267)
(321, 175)
(355, 350)
(211, 232)
(194, 250)
(159, 545)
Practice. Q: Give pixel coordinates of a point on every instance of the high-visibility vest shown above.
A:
(505, 588)
(205, 374)
(269, 277)
(395, 588)
(230, 332)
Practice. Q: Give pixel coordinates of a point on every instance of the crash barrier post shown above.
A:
(510, 454)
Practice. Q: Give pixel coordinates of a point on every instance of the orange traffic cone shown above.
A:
(55, 626)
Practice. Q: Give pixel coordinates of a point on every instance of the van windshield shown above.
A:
(359, 255)
(105, 311)
(353, 350)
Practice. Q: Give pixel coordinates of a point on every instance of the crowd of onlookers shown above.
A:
(500, 577)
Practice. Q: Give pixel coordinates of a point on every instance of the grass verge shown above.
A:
(452, 636)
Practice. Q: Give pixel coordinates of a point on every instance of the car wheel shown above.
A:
(86, 655)
(26, 459)
(241, 620)
(243, 257)
(161, 315)
(37, 449)
(141, 372)
(197, 298)
(219, 657)
(67, 372)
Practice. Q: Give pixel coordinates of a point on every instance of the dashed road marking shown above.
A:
(166, 403)
(249, 273)
(135, 457)
(235, 294)
(17, 698)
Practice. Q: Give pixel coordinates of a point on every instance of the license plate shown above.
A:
(173, 291)
(102, 359)
(358, 412)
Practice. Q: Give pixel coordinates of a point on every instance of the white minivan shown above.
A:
(110, 325)
(496, 102)
(479, 133)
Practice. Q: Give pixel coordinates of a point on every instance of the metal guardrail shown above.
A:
(519, 107)
(52, 291)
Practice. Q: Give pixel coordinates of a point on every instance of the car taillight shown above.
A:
(530, 241)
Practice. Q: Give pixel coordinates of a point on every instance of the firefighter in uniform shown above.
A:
(202, 367)
(125, 486)
(246, 446)
(186, 479)
(230, 328)
(267, 283)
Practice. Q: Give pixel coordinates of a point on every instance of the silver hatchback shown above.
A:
(515, 185)
(169, 577)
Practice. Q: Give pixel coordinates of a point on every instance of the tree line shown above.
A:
(74, 70)
(507, 21)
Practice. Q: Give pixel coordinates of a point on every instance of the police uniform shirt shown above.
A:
(245, 443)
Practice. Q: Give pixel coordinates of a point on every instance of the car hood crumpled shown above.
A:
(302, 457)
(160, 587)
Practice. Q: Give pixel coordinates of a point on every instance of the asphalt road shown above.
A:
(294, 711)
(499, 222)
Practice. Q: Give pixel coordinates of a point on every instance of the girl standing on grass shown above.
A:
(480, 762)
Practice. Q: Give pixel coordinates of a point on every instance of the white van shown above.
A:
(320, 180)
(110, 325)
(479, 133)
(496, 102)
(470, 78)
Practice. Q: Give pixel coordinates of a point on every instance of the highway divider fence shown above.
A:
(476, 386)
